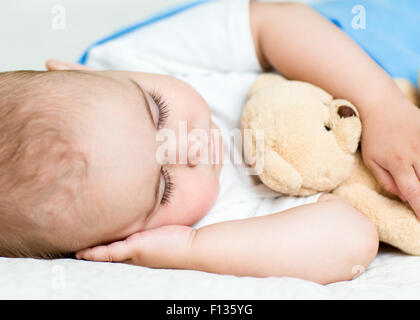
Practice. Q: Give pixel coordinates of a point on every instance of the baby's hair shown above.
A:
(41, 170)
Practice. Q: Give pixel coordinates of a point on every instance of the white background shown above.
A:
(28, 38)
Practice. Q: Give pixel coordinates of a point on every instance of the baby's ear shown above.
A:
(280, 175)
(53, 65)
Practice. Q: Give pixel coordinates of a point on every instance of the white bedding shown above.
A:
(392, 275)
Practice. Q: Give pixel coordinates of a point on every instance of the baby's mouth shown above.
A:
(216, 147)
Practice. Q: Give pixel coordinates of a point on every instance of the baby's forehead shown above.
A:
(75, 81)
(77, 92)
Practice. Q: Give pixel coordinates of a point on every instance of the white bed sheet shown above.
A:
(392, 275)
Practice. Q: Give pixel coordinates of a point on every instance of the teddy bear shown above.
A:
(311, 144)
(409, 90)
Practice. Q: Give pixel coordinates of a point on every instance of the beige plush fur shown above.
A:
(311, 144)
(409, 90)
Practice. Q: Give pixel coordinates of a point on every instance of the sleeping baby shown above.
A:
(138, 166)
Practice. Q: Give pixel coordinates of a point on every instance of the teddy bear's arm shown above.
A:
(396, 223)
(279, 174)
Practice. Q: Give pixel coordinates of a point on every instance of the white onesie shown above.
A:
(208, 44)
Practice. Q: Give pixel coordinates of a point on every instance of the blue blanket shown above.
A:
(390, 32)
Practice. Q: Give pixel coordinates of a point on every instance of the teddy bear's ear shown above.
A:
(345, 124)
(280, 175)
(265, 80)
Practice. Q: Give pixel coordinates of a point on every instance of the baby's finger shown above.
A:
(385, 179)
(417, 169)
(115, 252)
(409, 184)
(54, 64)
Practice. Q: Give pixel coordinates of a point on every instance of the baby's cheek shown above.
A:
(192, 198)
(195, 201)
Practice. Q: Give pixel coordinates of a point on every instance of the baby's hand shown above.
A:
(54, 64)
(391, 149)
(164, 247)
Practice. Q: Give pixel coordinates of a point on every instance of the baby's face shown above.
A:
(130, 188)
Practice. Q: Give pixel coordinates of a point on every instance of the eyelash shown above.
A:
(163, 116)
(169, 186)
(162, 106)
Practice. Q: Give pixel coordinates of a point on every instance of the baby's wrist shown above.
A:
(187, 261)
(178, 254)
(379, 99)
(385, 109)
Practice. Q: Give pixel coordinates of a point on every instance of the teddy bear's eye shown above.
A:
(327, 128)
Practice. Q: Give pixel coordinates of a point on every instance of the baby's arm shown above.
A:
(303, 45)
(323, 242)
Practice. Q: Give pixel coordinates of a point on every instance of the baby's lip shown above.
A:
(216, 156)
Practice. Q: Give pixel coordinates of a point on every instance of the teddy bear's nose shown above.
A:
(346, 112)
